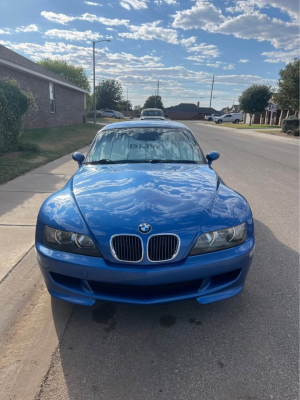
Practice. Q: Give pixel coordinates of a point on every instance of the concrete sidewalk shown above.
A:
(20, 200)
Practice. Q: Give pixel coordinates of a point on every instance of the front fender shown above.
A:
(60, 211)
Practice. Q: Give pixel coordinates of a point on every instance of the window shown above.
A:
(144, 145)
(52, 98)
(152, 113)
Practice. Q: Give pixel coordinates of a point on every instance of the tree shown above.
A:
(109, 94)
(122, 106)
(255, 99)
(288, 87)
(68, 71)
(154, 102)
(14, 103)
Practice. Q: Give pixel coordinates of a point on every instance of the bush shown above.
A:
(13, 105)
(290, 124)
(296, 132)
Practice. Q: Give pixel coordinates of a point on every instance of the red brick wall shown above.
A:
(69, 103)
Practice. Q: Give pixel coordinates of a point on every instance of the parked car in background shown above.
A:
(110, 114)
(152, 113)
(211, 117)
(234, 117)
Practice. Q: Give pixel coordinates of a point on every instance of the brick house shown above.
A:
(185, 111)
(59, 102)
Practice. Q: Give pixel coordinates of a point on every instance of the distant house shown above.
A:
(184, 111)
(228, 110)
(59, 102)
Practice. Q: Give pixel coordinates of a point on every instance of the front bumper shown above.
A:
(206, 278)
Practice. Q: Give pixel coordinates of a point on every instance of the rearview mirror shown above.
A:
(212, 156)
(78, 157)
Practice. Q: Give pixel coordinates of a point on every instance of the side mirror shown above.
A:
(78, 157)
(212, 156)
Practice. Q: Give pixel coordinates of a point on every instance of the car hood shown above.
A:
(169, 197)
(104, 200)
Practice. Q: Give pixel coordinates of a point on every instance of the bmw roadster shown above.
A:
(146, 220)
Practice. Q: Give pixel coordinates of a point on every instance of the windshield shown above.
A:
(145, 145)
(152, 113)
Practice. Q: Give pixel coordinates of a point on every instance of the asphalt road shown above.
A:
(244, 348)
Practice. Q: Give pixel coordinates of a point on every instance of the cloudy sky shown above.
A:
(181, 43)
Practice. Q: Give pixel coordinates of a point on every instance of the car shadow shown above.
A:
(243, 348)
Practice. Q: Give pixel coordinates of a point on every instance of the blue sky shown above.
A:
(180, 43)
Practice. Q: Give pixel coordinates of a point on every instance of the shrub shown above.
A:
(296, 132)
(290, 124)
(13, 105)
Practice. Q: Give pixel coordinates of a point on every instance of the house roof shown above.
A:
(192, 108)
(14, 60)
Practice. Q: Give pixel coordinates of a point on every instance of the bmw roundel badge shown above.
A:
(144, 228)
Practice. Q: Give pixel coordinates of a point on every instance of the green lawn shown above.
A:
(52, 142)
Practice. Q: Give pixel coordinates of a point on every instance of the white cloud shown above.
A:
(262, 28)
(189, 41)
(110, 29)
(206, 50)
(150, 31)
(91, 3)
(64, 19)
(201, 15)
(58, 18)
(249, 24)
(169, 2)
(125, 5)
(242, 7)
(5, 31)
(28, 28)
(280, 56)
(136, 4)
(104, 21)
(291, 7)
(73, 35)
(204, 60)
(243, 61)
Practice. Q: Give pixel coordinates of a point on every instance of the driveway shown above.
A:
(244, 348)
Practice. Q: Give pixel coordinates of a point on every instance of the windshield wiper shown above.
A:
(173, 161)
(102, 161)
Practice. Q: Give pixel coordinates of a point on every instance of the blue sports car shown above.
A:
(145, 220)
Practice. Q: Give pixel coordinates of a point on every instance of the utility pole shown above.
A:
(127, 100)
(212, 89)
(94, 76)
(155, 99)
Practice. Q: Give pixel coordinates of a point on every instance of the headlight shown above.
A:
(220, 240)
(70, 242)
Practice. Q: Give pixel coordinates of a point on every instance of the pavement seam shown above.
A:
(25, 225)
(22, 191)
(44, 380)
(13, 268)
